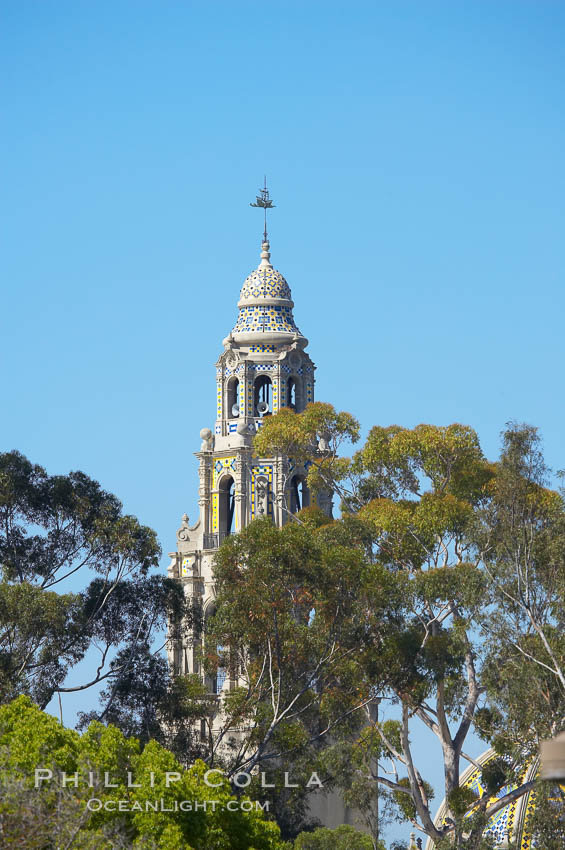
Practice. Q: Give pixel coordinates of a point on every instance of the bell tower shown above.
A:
(263, 367)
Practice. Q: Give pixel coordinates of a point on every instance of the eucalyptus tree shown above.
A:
(522, 532)
(75, 579)
(441, 571)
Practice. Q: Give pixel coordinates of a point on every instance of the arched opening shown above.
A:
(292, 394)
(263, 396)
(233, 398)
(198, 626)
(226, 506)
(219, 679)
(218, 659)
(299, 494)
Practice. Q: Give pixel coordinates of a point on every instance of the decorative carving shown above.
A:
(231, 359)
(261, 494)
(207, 440)
(246, 429)
(182, 534)
(295, 359)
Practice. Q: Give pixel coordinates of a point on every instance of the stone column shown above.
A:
(280, 474)
(242, 484)
(204, 489)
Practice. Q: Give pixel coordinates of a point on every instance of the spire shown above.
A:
(263, 200)
(265, 256)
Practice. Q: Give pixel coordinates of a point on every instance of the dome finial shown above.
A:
(265, 256)
(263, 200)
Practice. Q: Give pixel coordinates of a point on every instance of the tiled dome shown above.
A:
(265, 305)
(265, 283)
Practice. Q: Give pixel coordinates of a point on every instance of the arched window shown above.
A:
(233, 398)
(226, 505)
(263, 396)
(299, 494)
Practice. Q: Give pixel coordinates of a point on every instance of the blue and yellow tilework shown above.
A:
(262, 348)
(265, 283)
(259, 319)
(526, 842)
(503, 822)
(187, 565)
(241, 399)
(219, 399)
(221, 466)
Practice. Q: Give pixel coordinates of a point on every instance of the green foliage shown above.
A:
(494, 775)
(406, 809)
(396, 459)
(74, 577)
(286, 615)
(442, 586)
(522, 531)
(285, 594)
(547, 825)
(31, 739)
(298, 436)
(342, 838)
(460, 800)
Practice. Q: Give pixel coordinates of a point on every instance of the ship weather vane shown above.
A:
(263, 200)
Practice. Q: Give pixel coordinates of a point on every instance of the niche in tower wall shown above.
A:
(262, 490)
(291, 394)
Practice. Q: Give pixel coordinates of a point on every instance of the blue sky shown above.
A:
(414, 151)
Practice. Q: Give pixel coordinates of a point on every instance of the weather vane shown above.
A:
(263, 200)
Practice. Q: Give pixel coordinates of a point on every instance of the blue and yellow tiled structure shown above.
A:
(513, 822)
(265, 282)
(264, 351)
(259, 319)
